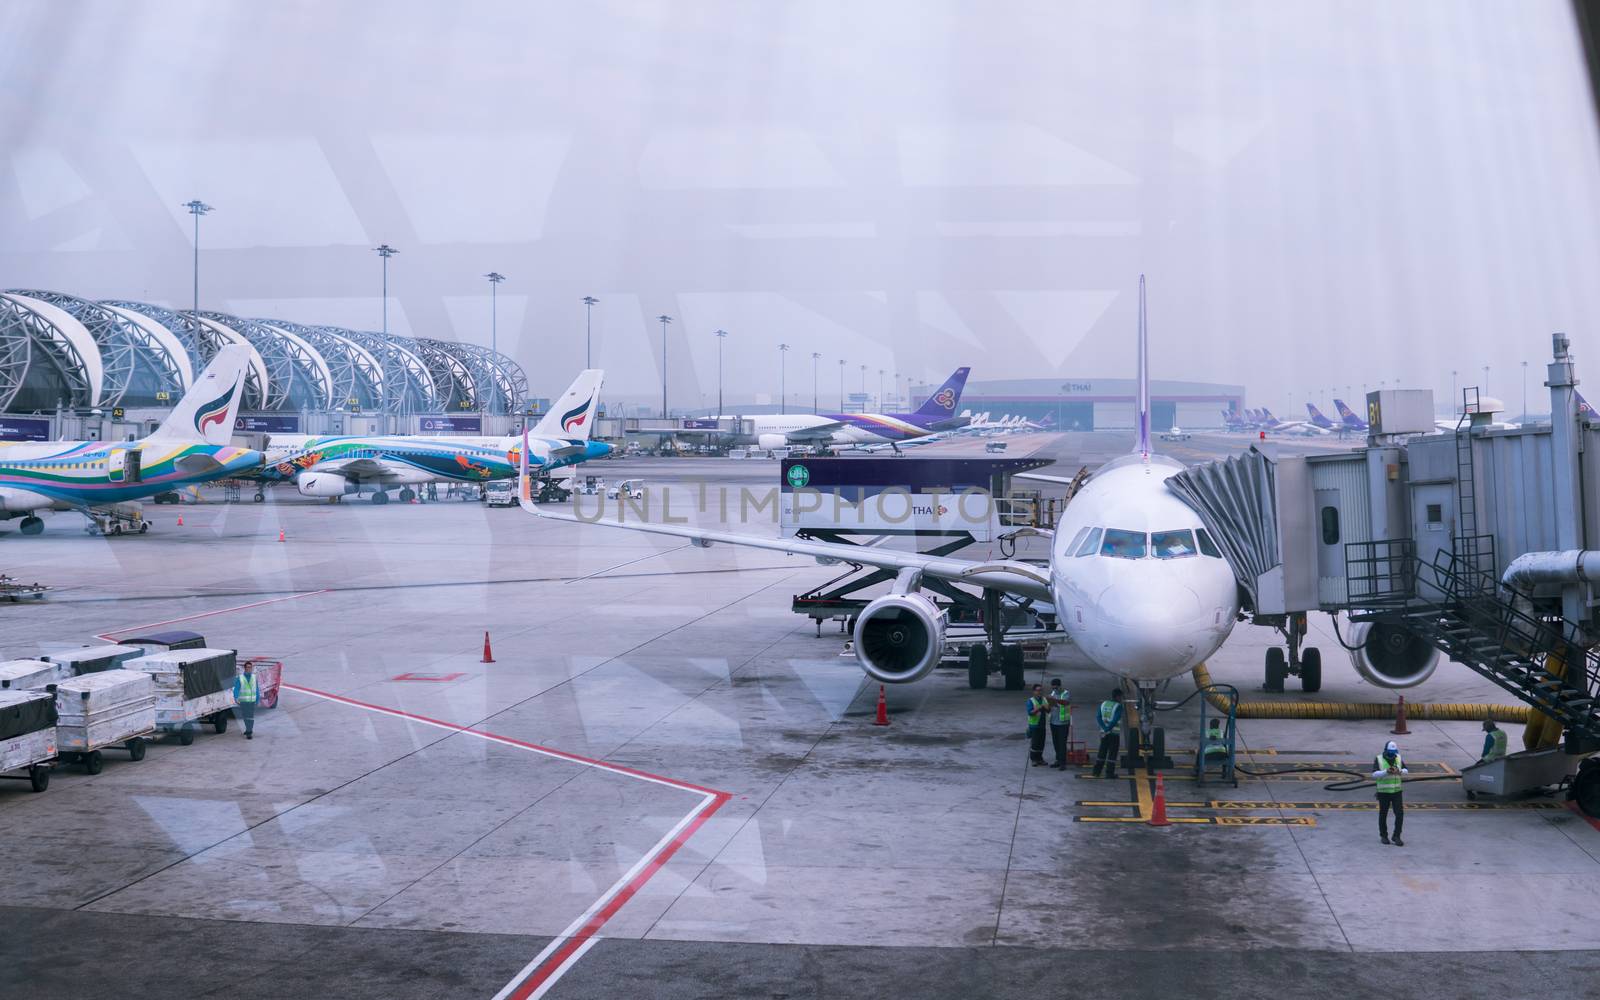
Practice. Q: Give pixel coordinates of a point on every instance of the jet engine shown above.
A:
(323, 484)
(899, 638)
(1391, 656)
(767, 442)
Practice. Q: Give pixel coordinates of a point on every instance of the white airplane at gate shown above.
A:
(1137, 583)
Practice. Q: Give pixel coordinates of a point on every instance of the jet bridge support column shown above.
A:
(1559, 376)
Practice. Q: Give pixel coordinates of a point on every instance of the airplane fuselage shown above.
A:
(75, 474)
(1137, 584)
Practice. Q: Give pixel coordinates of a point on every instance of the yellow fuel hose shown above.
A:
(1448, 712)
(1542, 731)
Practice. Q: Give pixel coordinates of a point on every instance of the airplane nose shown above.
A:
(1148, 630)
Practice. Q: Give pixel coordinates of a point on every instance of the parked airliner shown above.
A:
(1137, 583)
(190, 447)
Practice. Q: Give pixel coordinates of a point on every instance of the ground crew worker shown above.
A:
(1038, 707)
(1060, 721)
(1494, 742)
(246, 692)
(1215, 744)
(1110, 719)
(1387, 776)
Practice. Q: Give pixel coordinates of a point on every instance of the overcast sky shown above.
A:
(1322, 194)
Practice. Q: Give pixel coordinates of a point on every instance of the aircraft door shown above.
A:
(122, 465)
(1433, 530)
(1331, 583)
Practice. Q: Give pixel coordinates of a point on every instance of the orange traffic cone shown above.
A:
(180, 520)
(1400, 719)
(1158, 813)
(488, 655)
(280, 534)
(883, 709)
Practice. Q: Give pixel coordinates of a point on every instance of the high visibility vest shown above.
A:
(1063, 709)
(1388, 782)
(1498, 749)
(1108, 711)
(247, 689)
(1036, 710)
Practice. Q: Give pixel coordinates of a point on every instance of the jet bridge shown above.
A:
(1480, 542)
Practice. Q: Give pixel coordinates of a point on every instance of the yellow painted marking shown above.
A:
(1192, 820)
(1265, 821)
(1368, 805)
(1147, 801)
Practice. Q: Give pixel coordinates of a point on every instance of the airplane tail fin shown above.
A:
(206, 413)
(1316, 414)
(1344, 411)
(572, 416)
(1142, 414)
(943, 402)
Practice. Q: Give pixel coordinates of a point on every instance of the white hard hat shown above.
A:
(1391, 745)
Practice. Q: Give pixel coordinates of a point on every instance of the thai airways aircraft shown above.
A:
(1138, 584)
(341, 466)
(190, 447)
(1348, 416)
(776, 430)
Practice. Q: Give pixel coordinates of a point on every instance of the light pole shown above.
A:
(783, 368)
(721, 336)
(495, 277)
(665, 319)
(815, 357)
(1524, 390)
(880, 391)
(197, 208)
(385, 251)
(1455, 396)
(1485, 390)
(589, 302)
(841, 385)
(863, 380)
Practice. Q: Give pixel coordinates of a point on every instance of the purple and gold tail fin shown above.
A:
(946, 398)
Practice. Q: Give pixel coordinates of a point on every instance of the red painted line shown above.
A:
(536, 747)
(107, 636)
(1583, 815)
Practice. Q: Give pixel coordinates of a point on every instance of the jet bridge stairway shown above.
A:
(1468, 615)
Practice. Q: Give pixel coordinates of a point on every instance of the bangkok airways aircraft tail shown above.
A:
(573, 415)
(206, 412)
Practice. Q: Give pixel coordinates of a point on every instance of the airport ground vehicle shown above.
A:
(631, 489)
(500, 493)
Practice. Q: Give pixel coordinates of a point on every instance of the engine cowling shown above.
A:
(1391, 656)
(771, 441)
(899, 638)
(323, 484)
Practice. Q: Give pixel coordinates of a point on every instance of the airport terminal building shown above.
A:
(1098, 403)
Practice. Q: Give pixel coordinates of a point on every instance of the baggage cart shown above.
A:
(28, 675)
(99, 711)
(175, 639)
(192, 686)
(269, 678)
(27, 736)
(92, 659)
(1519, 773)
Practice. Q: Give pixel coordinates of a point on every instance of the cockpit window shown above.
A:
(1207, 546)
(1178, 544)
(1090, 544)
(1077, 540)
(1122, 544)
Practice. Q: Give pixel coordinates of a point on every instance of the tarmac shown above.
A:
(667, 784)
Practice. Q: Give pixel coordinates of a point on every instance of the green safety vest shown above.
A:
(1107, 710)
(1388, 782)
(1036, 709)
(1063, 709)
(1498, 748)
(247, 689)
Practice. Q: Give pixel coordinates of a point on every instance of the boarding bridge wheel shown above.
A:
(32, 525)
(1311, 670)
(978, 667)
(1585, 790)
(1277, 669)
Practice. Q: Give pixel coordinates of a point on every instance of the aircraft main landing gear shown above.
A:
(380, 498)
(1282, 661)
(407, 495)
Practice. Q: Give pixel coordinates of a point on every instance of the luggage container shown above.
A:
(28, 675)
(192, 686)
(93, 659)
(28, 736)
(102, 710)
(167, 640)
(269, 678)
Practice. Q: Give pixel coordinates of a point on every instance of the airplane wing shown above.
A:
(1011, 576)
(1041, 477)
(821, 432)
